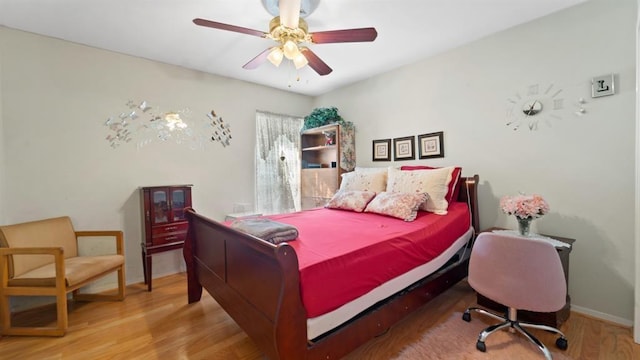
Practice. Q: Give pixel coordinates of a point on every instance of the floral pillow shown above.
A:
(452, 193)
(433, 182)
(364, 181)
(353, 200)
(399, 205)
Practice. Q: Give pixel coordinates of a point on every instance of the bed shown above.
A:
(259, 285)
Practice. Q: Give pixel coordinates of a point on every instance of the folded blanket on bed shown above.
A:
(266, 229)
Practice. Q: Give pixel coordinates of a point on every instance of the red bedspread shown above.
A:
(343, 255)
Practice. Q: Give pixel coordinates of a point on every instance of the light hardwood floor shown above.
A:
(161, 325)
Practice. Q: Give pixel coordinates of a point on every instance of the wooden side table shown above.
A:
(554, 319)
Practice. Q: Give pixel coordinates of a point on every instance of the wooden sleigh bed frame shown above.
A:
(257, 284)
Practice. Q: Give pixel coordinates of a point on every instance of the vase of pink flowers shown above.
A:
(525, 208)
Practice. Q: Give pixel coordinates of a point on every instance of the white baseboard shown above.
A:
(602, 316)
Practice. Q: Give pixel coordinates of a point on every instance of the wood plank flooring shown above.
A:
(161, 325)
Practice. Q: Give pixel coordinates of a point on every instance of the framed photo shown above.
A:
(431, 145)
(382, 150)
(404, 148)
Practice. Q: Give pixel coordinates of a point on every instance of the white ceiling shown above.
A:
(162, 30)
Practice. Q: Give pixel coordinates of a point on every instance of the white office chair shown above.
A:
(522, 274)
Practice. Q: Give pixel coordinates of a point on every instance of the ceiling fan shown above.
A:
(290, 31)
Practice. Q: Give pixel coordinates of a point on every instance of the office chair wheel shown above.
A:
(562, 343)
(481, 346)
(466, 316)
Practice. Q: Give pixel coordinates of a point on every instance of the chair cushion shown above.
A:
(54, 232)
(77, 270)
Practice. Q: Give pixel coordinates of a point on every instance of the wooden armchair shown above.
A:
(40, 258)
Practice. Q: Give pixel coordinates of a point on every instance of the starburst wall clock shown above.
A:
(533, 105)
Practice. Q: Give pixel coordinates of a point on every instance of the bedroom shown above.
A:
(54, 158)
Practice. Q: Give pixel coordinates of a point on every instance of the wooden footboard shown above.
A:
(257, 284)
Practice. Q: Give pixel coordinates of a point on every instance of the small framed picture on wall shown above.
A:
(431, 145)
(404, 148)
(382, 150)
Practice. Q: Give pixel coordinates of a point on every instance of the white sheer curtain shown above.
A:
(277, 163)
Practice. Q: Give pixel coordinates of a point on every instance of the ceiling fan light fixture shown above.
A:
(300, 60)
(275, 56)
(291, 33)
(290, 49)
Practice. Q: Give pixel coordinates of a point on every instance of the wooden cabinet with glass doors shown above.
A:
(164, 226)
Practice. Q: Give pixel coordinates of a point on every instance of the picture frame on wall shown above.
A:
(404, 148)
(382, 150)
(431, 145)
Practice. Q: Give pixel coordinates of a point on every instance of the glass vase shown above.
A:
(523, 226)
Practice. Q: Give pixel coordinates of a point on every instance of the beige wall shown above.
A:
(584, 166)
(56, 96)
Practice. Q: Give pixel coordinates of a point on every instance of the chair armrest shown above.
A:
(32, 251)
(58, 256)
(117, 234)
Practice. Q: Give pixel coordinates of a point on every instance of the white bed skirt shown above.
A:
(321, 324)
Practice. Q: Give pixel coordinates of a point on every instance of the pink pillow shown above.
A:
(453, 191)
(354, 200)
(399, 205)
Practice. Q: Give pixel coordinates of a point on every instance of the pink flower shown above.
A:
(524, 206)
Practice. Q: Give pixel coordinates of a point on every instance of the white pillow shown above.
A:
(364, 181)
(434, 182)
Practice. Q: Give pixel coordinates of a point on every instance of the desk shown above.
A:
(554, 319)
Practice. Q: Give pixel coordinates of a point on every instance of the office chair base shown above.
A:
(512, 322)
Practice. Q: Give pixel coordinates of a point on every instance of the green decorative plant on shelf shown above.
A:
(324, 116)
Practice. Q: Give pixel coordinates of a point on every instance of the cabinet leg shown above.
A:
(149, 272)
(144, 267)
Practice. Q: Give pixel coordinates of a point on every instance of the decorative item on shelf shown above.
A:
(330, 136)
(525, 208)
(142, 123)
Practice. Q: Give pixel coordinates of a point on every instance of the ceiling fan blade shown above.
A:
(315, 62)
(221, 26)
(348, 35)
(289, 13)
(258, 60)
